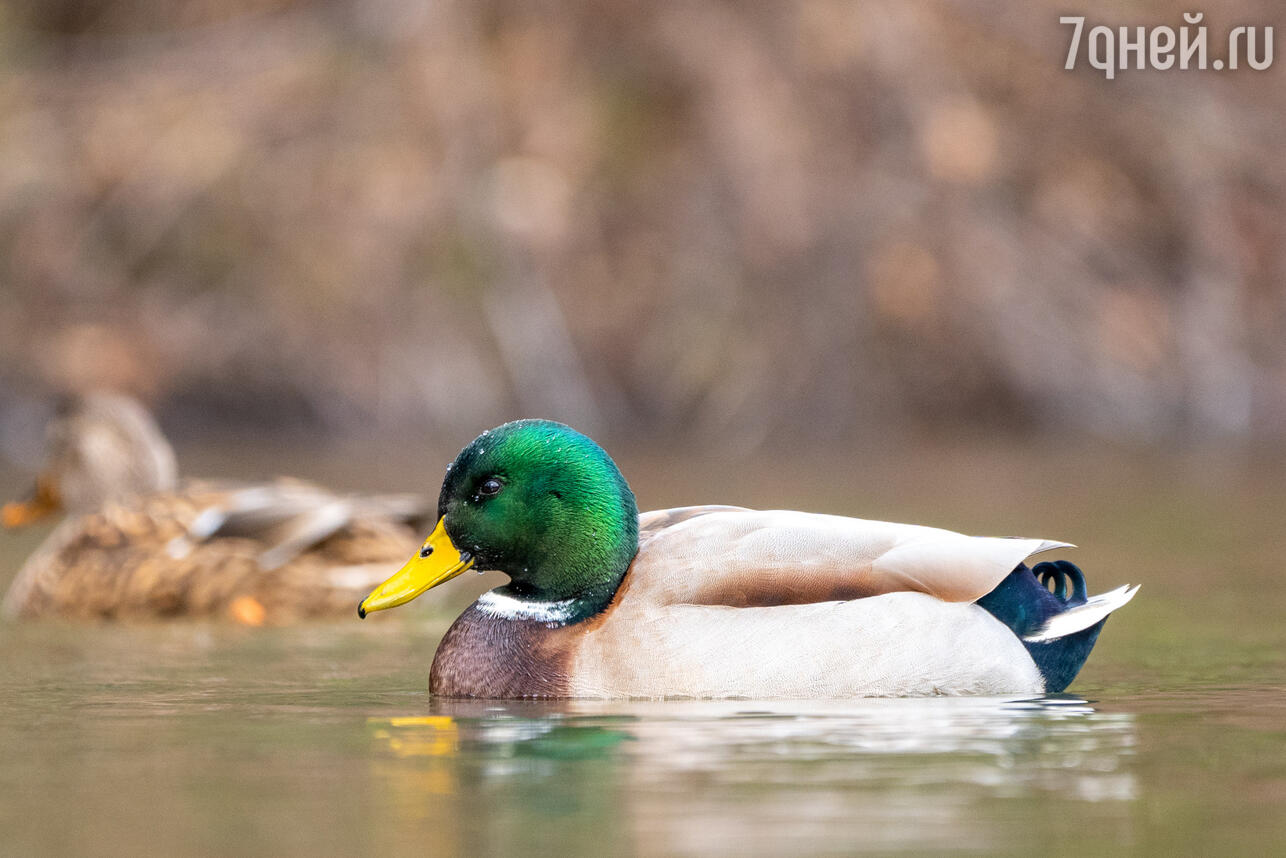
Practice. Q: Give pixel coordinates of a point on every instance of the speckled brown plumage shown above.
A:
(120, 562)
(138, 543)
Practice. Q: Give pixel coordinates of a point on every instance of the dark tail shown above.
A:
(1059, 628)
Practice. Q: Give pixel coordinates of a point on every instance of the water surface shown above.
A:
(206, 739)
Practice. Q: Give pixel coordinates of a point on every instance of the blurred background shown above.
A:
(725, 223)
(885, 259)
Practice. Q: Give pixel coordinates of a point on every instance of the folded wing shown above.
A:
(753, 558)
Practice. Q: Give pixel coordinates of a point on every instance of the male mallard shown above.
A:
(717, 601)
(139, 543)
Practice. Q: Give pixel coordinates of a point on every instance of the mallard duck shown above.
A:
(721, 601)
(141, 543)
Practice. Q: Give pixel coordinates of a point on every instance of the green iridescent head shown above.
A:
(538, 501)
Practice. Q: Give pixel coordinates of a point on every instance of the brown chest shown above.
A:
(485, 656)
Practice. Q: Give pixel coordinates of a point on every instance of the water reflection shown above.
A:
(767, 777)
(417, 736)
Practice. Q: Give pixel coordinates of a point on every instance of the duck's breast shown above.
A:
(900, 644)
(483, 655)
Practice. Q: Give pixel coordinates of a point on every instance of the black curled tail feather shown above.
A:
(1024, 603)
(1062, 573)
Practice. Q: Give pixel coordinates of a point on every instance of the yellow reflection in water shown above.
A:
(425, 748)
(418, 736)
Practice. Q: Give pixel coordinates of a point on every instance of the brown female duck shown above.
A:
(141, 543)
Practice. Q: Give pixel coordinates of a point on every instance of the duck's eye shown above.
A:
(490, 488)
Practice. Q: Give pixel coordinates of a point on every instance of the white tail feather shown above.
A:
(1083, 616)
(1050, 545)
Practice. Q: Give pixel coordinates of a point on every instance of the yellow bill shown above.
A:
(437, 561)
(42, 501)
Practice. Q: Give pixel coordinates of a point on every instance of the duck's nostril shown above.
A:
(426, 551)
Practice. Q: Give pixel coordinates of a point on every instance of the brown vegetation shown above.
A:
(714, 219)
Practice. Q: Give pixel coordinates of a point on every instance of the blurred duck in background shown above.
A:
(139, 542)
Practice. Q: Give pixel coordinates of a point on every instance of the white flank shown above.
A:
(1083, 616)
(895, 645)
(503, 607)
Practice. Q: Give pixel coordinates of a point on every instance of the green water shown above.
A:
(320, 740)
